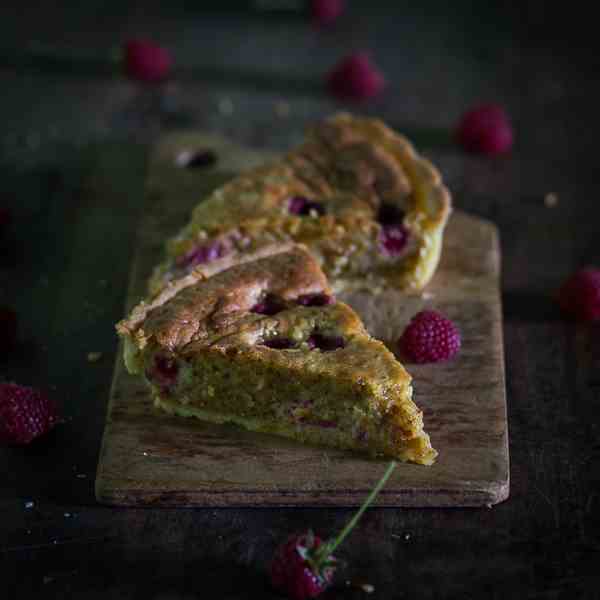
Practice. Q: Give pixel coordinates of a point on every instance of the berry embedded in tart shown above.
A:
(266, 345)
(369, 208)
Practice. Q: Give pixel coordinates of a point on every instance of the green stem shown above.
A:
(331, 545)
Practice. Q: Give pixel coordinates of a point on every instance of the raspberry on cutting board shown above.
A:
(430, 337)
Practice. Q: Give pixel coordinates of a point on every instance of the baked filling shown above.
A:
(266, 345)
(369, 208)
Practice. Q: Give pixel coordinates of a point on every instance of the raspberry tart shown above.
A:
(265, 345)
(369, 208)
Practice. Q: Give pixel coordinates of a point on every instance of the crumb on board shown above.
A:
(94, 356)
(226, 106)
(550, 200)
(367, 588)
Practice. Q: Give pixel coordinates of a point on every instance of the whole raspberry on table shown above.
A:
(486, 129)
(325, 12)
(25, 414)
(430, 337)
(356, 77)
(579, 296)
(146, 61)
(304, 565)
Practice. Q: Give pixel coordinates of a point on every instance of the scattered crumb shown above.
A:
(550, 200)
(29, 504)
(396, 536)
(145, 453)
(67, 515)
(226, 106)
(94, 356)
(282, 109)
(367, 588)
(81, 475)
(427, 296)
(47, 579)
(407, 536)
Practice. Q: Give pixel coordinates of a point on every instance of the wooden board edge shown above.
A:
(114, 494)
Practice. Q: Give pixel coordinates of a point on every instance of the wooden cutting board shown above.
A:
(150, 458)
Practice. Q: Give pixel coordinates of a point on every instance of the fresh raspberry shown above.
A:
(25, 414)
(8, 329)
(580, 294)
(292, 572)
(430, 337)
(303, 567)
(356, 78)
(486, 129)
(146, 61)
(325, 12)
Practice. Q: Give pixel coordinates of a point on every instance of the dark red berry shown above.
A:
(486, 129)
(430, 337)
(356, 78)
(393, 239)
(204, 254)
(318, 299)
(8, 329)
(299, 205)
(325, 343)
(579, 296)
(292, 573)
(279, 343)
(25, 414)
(325, 12)
(163, 372)
(146, 61)
(270, 305)
(390, 214)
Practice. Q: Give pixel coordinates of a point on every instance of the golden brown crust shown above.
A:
(351, 166)
(214, 306)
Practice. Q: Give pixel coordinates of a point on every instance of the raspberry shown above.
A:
(303, 567)
(393, 239)
(292, 573)
(580, 294)
(270, 305)
(356, 78)
(486, 129)
(299, 205)
(325, 12)
(318, 299)
(25, 414)
(146, 61)
(8, 329)
(430, 337)
(325, 343)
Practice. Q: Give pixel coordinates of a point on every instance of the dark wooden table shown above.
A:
(73, 145)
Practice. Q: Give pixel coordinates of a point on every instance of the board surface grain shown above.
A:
(150, 458)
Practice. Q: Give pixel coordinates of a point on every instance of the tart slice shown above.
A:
(265, 345)
(368, 206)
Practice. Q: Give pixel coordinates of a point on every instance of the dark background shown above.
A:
(74, 139)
